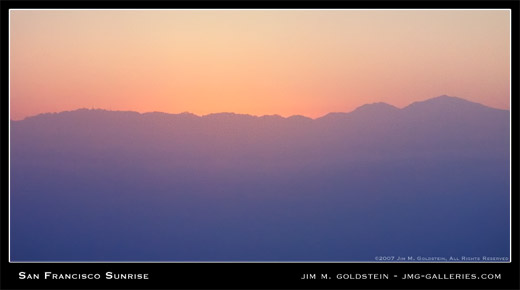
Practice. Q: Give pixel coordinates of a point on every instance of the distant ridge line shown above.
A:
(444, 100)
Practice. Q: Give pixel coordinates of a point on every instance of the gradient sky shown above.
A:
(286, 62)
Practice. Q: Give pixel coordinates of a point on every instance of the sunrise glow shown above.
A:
(286, 62)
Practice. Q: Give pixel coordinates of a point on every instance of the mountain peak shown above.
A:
(375, 108)
(446, 105)
(299, 118)
(444, 100)
(227, 116)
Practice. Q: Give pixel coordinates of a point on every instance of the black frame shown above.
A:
(258, 275)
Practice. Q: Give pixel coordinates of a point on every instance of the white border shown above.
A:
(273, 9)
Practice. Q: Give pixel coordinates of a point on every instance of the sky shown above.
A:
(258, 62)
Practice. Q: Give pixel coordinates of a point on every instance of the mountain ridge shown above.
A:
(443, 102)
(228, 187)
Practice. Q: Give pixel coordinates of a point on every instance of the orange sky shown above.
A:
(286, 62)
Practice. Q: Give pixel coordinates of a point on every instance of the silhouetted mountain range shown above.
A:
(431, 179)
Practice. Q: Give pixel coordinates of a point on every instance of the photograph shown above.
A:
(331, 145)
